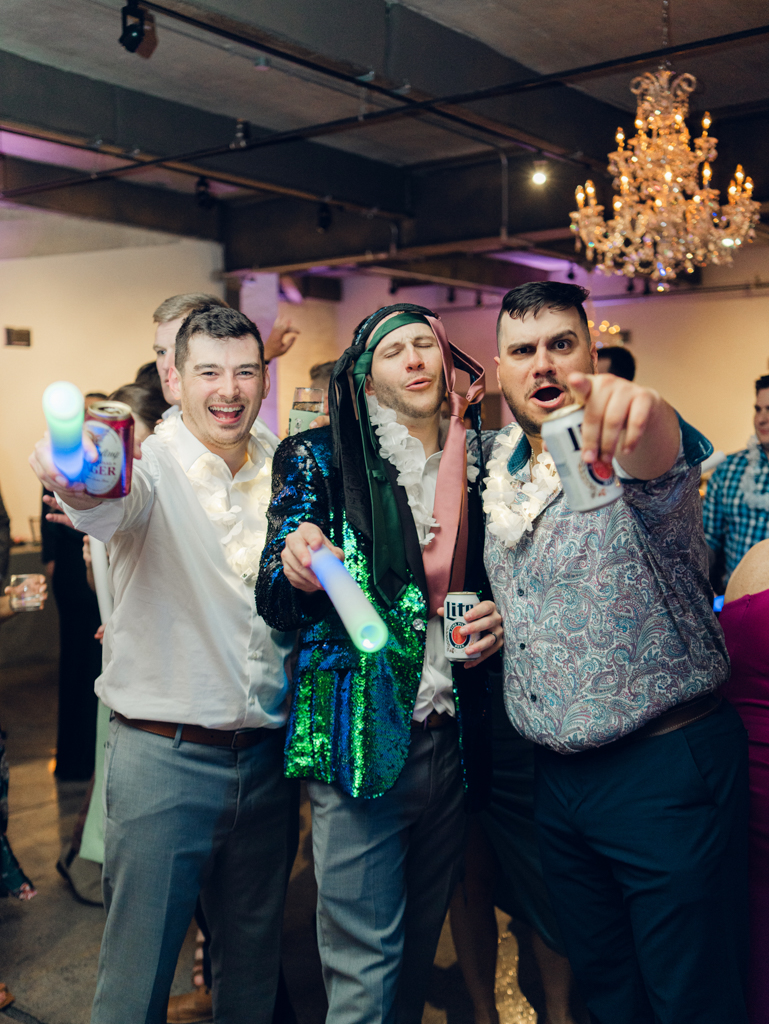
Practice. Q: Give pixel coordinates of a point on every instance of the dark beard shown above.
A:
(528, 426)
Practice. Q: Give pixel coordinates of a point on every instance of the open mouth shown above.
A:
(550, 396)
(226, 414)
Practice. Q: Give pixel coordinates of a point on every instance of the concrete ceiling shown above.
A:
(451, 182)
(560, 34)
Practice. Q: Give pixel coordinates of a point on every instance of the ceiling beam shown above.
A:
(477, 272)
(47, 102)
(117, 202)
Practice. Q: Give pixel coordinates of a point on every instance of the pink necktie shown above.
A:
(445, 556)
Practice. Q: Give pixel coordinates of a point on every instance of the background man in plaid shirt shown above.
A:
(736, 507)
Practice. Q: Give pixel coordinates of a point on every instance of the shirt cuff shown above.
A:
(101, 522)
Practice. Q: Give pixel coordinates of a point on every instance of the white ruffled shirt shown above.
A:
(184, 643)
(436, 689)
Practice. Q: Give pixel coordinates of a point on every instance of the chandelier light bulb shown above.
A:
(664, 222)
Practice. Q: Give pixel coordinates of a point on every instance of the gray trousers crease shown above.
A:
(385, 869)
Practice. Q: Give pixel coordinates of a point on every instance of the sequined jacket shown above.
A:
(350, 721)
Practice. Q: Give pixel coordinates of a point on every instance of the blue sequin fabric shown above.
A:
(608, 614)
(350, 722)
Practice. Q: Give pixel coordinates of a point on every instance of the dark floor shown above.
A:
(49, 946)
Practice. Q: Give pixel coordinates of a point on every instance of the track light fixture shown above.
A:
(324, 218)
(132, 21)
(203, 196)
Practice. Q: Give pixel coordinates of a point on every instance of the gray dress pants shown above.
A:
(385, 869)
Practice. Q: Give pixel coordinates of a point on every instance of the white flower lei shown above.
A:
(407, 455)
(511, 504)
(244, 528)
(751, 493)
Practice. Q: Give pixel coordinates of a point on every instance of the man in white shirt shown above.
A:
(195, 798)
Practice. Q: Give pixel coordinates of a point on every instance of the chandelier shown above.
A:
(665, 221)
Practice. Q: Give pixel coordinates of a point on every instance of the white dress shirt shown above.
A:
(184, 643)
(436, 689)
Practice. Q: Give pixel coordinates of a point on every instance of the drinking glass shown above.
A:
(308, 404)
(28, 592)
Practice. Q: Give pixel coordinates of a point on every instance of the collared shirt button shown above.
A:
(418, 625)
(533, 696)
(520, 592)
(522, 646)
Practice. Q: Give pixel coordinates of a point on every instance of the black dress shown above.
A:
(80, 654)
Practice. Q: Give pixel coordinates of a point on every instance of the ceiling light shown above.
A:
(660, 229)
(132, 21)
(539, 177)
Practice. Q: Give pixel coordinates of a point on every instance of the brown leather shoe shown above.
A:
(191, 1008)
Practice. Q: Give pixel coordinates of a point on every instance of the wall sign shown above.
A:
(18, 336)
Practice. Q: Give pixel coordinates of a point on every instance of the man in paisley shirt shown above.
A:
(384, 739)
(612, 659)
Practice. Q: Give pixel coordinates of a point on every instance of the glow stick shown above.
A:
(361, 620)
(100, 568)
(63, 406)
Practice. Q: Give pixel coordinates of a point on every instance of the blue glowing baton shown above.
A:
(63, 405)
(361, 620)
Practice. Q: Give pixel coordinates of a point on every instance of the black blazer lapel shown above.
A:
(410, 537)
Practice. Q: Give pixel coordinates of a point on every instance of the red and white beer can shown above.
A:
(111, 428)
(454, 608)
(586, 487)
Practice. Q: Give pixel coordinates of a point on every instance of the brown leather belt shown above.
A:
(236, 739)
(676, 718)
(435, 720)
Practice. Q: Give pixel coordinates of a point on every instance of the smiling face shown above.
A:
(220, 387)
(536, 355)
(165, 339)
(761, 418)
(407, 373)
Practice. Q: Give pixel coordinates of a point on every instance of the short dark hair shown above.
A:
(215, 322)
(621, 362)
(538, 295)
(762, 382)
(322, 370)
(146, 403)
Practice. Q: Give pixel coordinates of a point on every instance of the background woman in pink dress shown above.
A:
(745, 620)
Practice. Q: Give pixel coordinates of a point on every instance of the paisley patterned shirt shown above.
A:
(608, 614)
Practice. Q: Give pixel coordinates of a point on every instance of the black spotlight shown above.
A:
(203, 196)
(324, 218)
(571, 275)
(132, 20)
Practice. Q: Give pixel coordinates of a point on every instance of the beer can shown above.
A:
(454, 608)
(586, 486)
(111, 428)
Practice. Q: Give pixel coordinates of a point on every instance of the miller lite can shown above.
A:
(110, 426)
(586, 486)
(454, 608)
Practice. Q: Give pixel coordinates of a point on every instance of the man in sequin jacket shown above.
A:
(376, 734)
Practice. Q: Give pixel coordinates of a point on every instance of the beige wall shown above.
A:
(91, 321)
(318, 342)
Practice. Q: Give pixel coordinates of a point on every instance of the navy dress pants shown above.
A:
(644, 849)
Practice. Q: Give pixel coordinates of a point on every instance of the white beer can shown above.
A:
(454, 608)
(586, 486)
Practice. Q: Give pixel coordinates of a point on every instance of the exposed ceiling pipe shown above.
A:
(410, 108)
